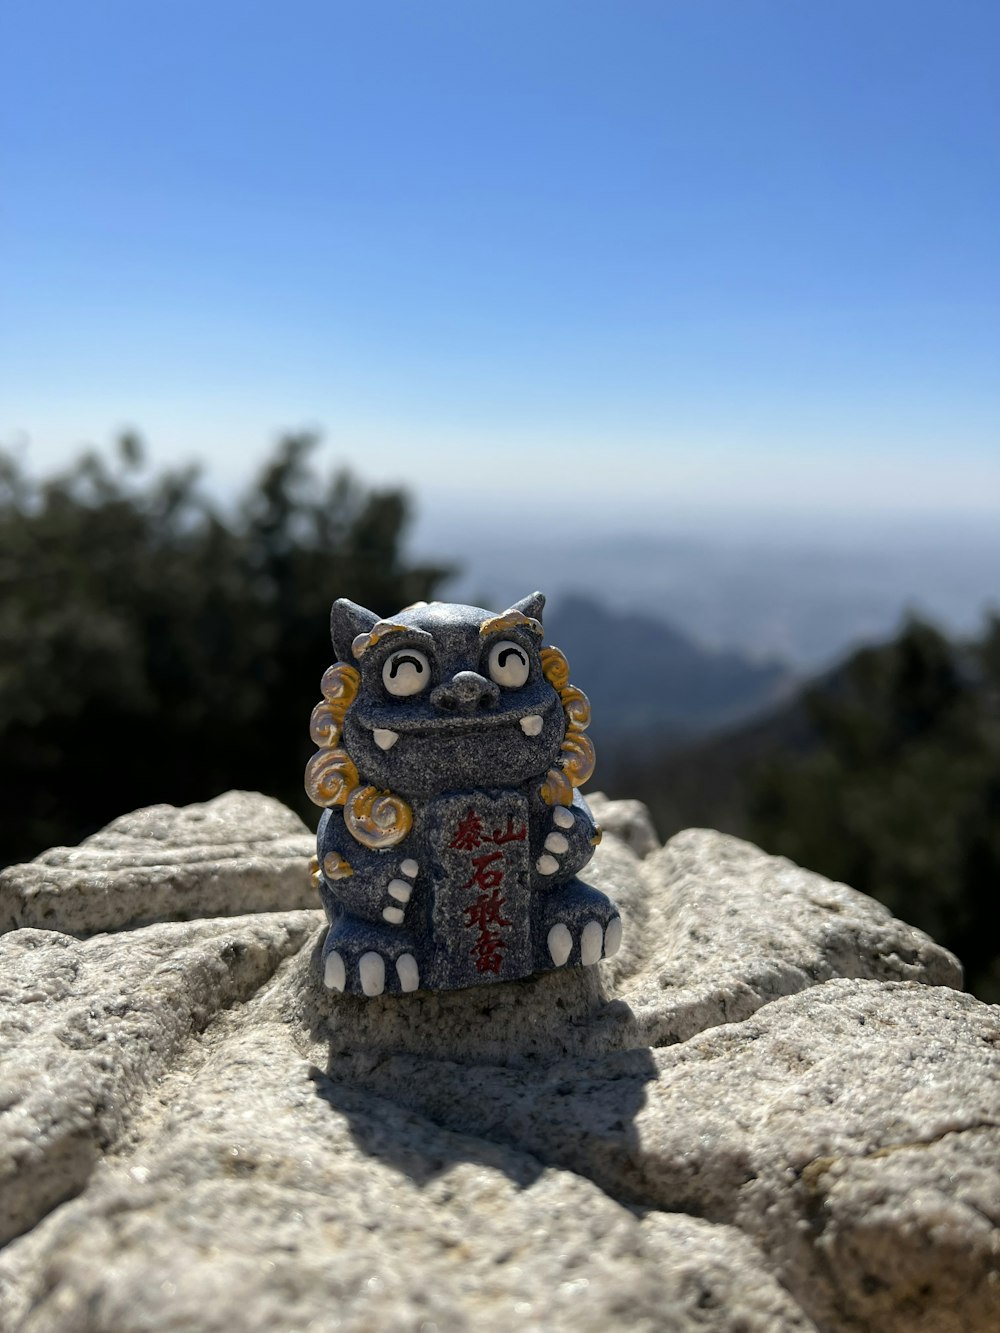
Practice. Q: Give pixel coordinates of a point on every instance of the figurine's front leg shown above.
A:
(570, 836)
(369, 899)
(578, 923)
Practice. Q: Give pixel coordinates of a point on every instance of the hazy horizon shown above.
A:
(727, 257)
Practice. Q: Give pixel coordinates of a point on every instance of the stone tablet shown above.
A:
(482, 908)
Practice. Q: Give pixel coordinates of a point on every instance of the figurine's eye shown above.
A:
(508, 664)
(406, 671)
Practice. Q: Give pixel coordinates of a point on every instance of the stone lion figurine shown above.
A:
(451, 748)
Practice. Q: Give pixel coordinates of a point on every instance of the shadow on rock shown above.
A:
(469, 1060)
(541, 1019)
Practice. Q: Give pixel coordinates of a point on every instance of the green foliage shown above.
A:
(156, 649)
(900, 796)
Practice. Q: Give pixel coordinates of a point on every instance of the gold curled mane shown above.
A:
(376, 819)
(510, 620)
(575, 765)
(381, 819)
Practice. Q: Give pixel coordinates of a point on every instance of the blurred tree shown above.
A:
(900, 795)
(156, 649)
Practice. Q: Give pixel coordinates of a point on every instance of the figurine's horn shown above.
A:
(347, 621)
(533, 605)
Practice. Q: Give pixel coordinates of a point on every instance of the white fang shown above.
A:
(384, 738)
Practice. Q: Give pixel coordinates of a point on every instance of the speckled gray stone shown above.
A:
(239, 853)
(86, 1026)
(717, 928)
(852, 1130)
(629, 821)
(766, 1113)
(256, 1194)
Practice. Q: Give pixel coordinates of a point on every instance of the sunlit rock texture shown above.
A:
(772, 1110)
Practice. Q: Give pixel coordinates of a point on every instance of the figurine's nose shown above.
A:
(466, 692)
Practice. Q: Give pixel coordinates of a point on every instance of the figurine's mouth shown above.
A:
(531, 724)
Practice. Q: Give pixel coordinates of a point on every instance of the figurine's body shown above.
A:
(452, 835)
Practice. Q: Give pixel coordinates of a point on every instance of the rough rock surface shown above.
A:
(242, 852)
(770, 1111)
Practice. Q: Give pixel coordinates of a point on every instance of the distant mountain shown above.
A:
(651, 686)
(779, 594)
(704, 782)
(884, 773)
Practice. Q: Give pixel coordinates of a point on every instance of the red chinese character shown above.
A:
(469, 834)
(488, 952)
(483, 877)
(509, 834)
(485, 911)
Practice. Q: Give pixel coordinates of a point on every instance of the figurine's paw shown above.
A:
(570, 833)
(596, 942)
(399, 892)
(556, 843)
(371, 972)
(369, 960)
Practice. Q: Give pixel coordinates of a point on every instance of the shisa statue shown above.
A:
(452, 746)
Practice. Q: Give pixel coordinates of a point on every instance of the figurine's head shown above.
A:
(442, 698)
(450, 697)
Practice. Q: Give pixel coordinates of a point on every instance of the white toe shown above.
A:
(613, 937)
(556, 842)
(400, 890)
(334, 973)
(560, 943)
(384, 738)
(371, 969)
(394, 915)
(590, 943)
(407, 971)
(546, 865)
(562, 817)
(409, 868)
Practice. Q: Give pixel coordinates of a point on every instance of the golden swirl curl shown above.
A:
(324, 726)
(510, 620)
(578, 758)
(377, 819)
(576, 706)
(379, 630)
(339, 688)
(555, 668)
(557, 788)
(314, 871)
(330, 777)
(335, 866)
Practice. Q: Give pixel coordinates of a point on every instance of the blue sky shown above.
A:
(711, 254)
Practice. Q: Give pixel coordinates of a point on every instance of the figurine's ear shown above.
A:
(347, 621)
(533, 605)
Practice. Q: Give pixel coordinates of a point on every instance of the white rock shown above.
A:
(241, 852)
(758, 1115)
